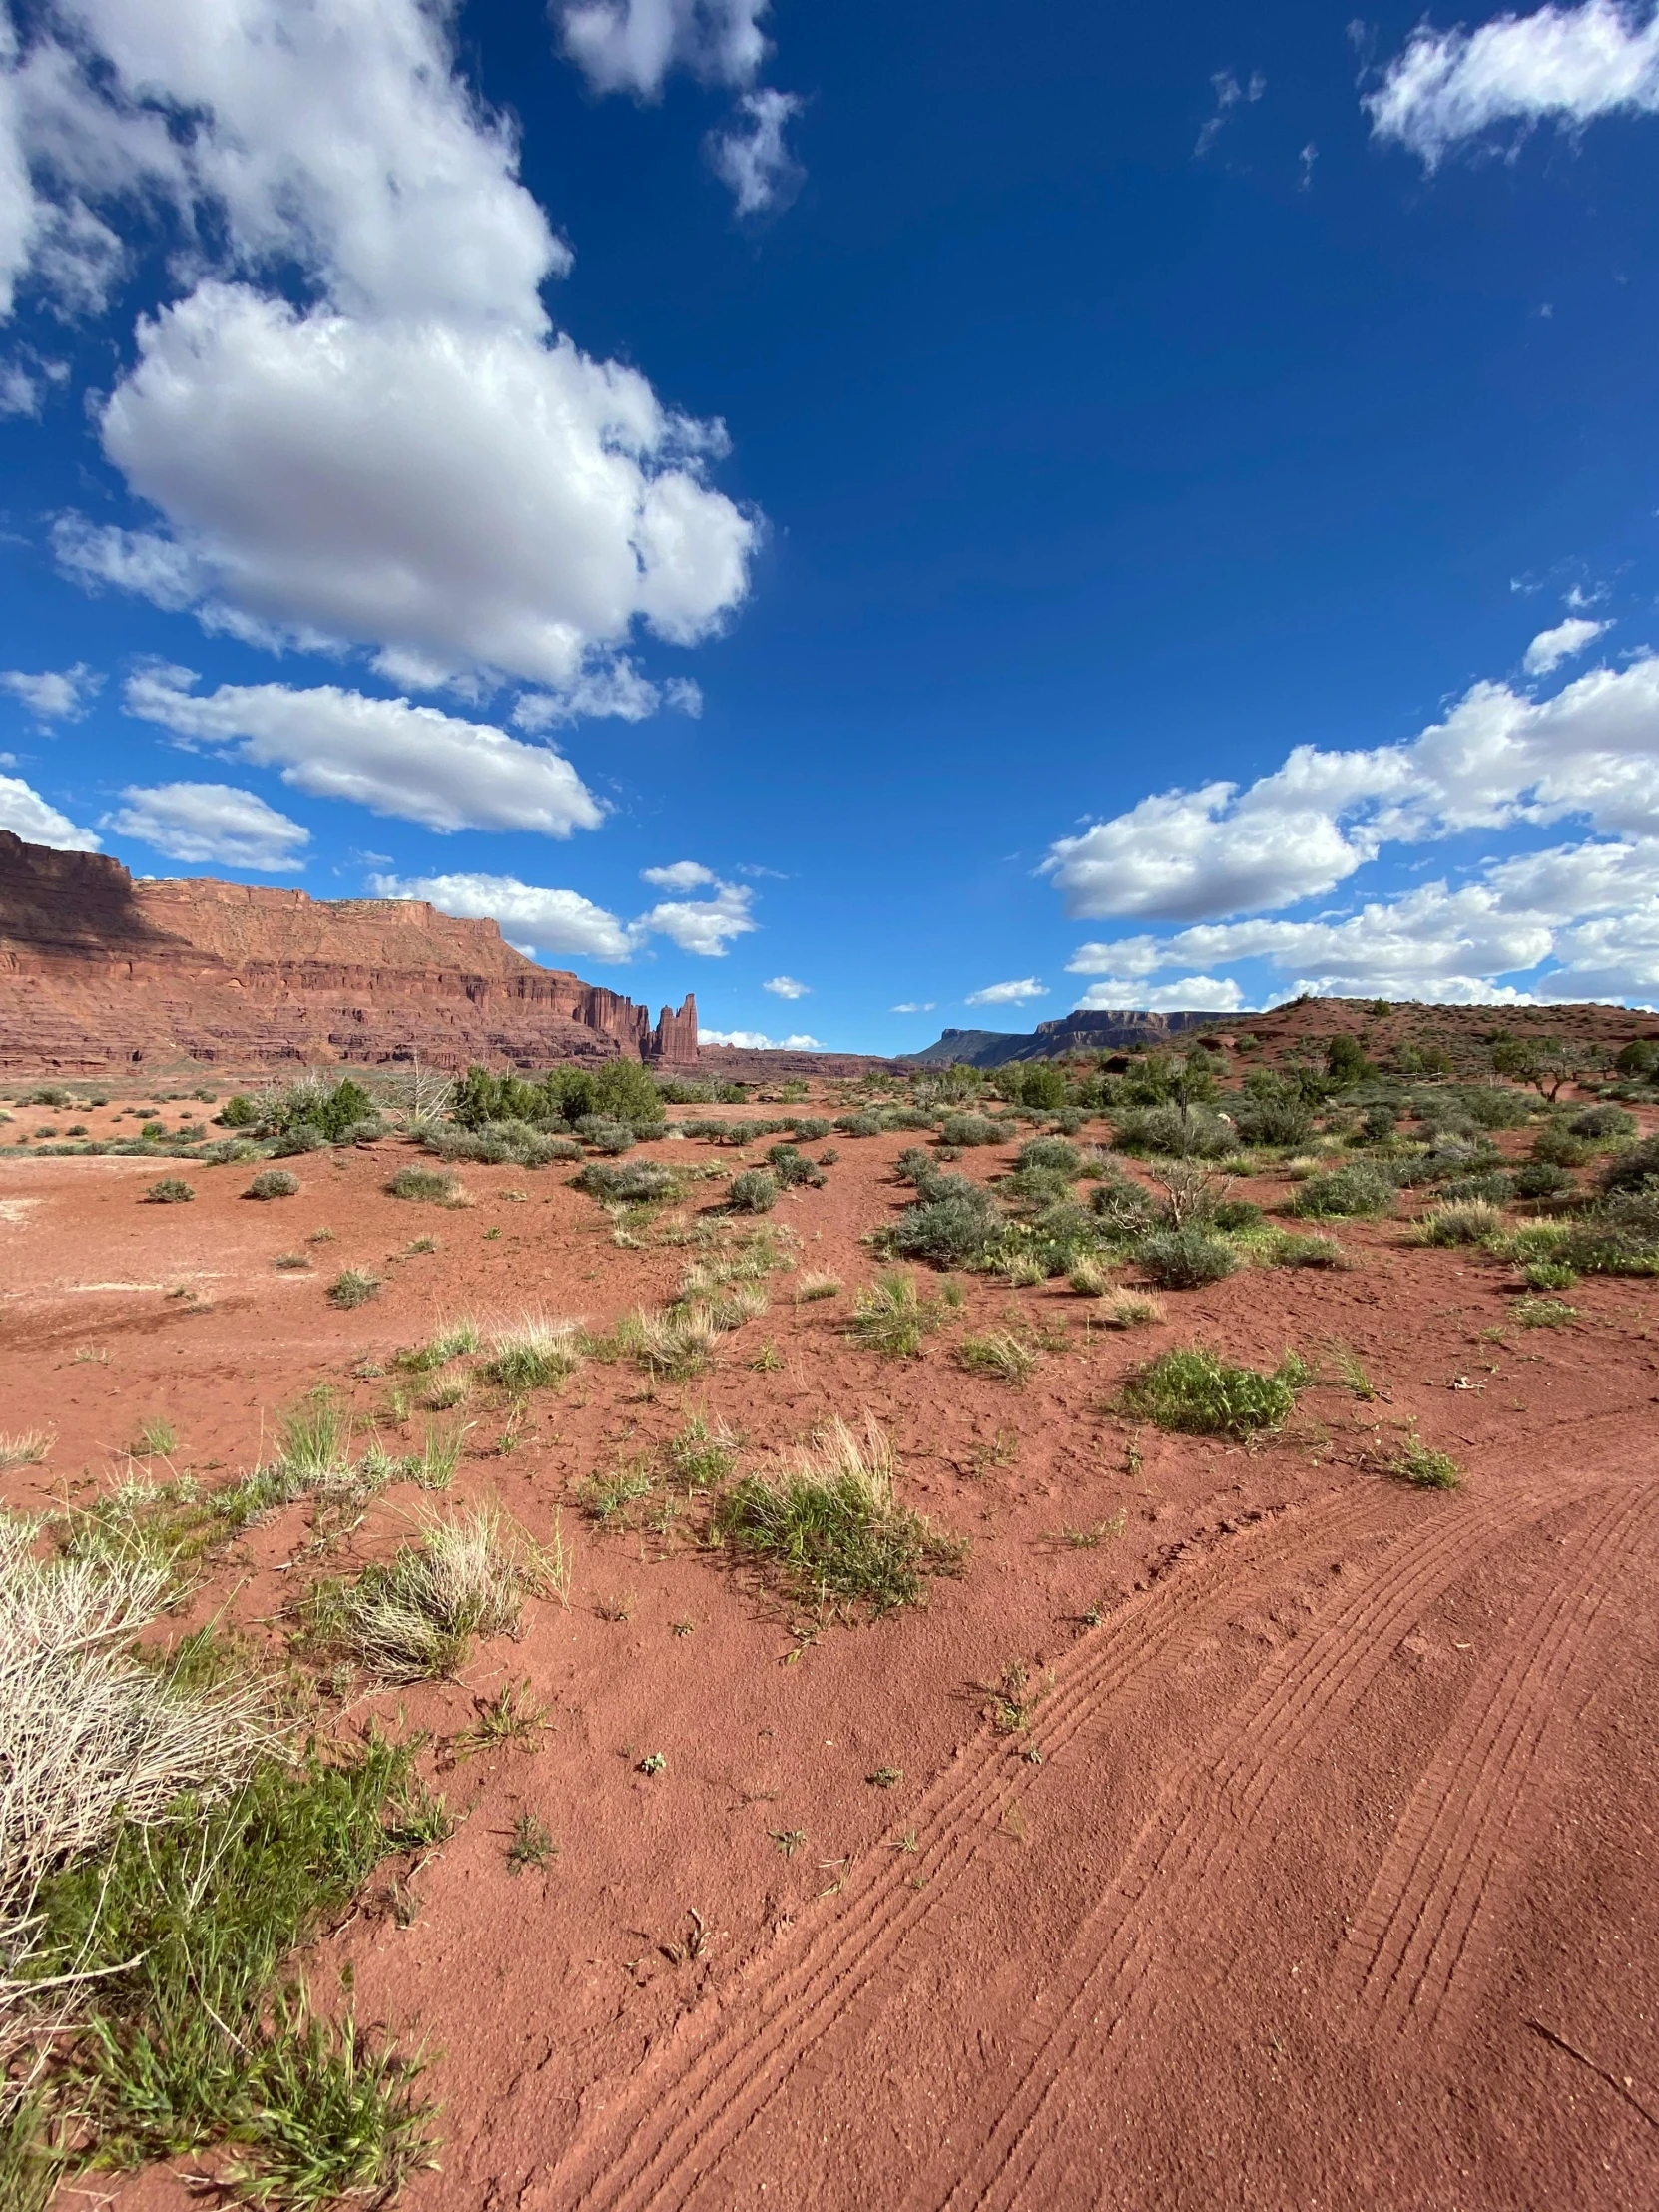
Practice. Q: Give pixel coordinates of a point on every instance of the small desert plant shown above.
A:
(814, 1286)
(832, 1528)
(430, 1186)
(1183, 1259)
(640, 1182)
(531, 1845)
(1462, 1222)
(1305, 1252)
(676, 1341)
(1540, 1178)
(953, 1225)
(1199, 1395)
(172, 1190)
(433, 1467)
(469, 1576)
(155, 1440)
(1354, 1189)
(1603, 1125)
(27, 1449)
(608, 1498)
(1549, 1274)
(966, 1128)
(1089, 1277)
(1427, 1469)
(1543, 1312)
(1000, 1355)
(1128, 1309)
(274, 1183)
(534, 1353)
(512, 1716)
(699, 1457)
(353, 1287)
(1050, 1156)
(1630, 1169)
(755, 1190)
(890, 1316)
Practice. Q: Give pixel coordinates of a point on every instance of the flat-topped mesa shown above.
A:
(97, 969)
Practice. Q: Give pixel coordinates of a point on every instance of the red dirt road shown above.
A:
(1323, 1873)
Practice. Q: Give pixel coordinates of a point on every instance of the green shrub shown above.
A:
(1052, 1156)
(1492, 1188)
(1193, 1134)
(353, 1287)
(890, 1316)
(604, 1134)
(1274, 1121)
(998, 1353)
(832, 1528)
(1306, 1252)
(274, 1183)
(968, 1129)
(1549, 1274)
(1231, 1214)
(640, 1182)
(238, 1113)
(1639, 1058)
(1427, 1469)
(1541, 1179)
(791, 1167)
(426, 1185)
(1196, 1395)
(1555, 1145)
(172, 1190)
(865, 1124)
(1602, 1125)
(1630, 1169)
(1357, 1188)
(953, 1225)
(755, 1190)
(1183, 1259)
(1463, 1222)
(1543, 1312)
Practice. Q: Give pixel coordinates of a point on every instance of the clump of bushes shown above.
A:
(1198, 1395)
(953, 1225)
(274, 1183)
(604, 1134)
(1050, 1156)
(890, 1316)
(1462, 1222)
(970, 1129)
(1629, 1170)
(425, 1186)
(172, 1190)
(1183, 1259)
(1603, 1125)
(792, 1168)
(1175, 1132)
(1355, 1188)
(1276, 1121)
(353, 1287)
(755, 1190)
(502, 1144)
(640, 1182)
(1540, 1178)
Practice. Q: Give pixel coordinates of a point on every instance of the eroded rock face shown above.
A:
(98, 972)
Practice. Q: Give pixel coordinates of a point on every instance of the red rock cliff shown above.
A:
(98, 972)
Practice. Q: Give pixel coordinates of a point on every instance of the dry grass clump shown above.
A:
(677, 1340)
(1000, 1355)
(467, 1576)
(1088, 1277)
(428, 1186)
(533, 1353)
(833, 1529)
(1129, 1310)
(810, 1288)
(25, 1449)
(353, 1287)
(890, 1316)
(1461, 1221)
(89, 1735)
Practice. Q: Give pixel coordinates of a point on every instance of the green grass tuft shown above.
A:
(1196, 1394)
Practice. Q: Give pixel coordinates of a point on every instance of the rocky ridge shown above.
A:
(99, 971)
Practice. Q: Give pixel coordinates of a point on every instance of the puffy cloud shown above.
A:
(28, 815)
(210, 821)
(414, 763)
(1187, 994)
(615, 689)
(414, 461)
(913, 1007)
(631, 45)
(751, 158)
(753, 1040)
(1569, 64)
(1551, 647)
(704, 927)
(1500, 759)
(786, 986)
(678, 876)
(1008, 994)
(561, 921)
(54, 695)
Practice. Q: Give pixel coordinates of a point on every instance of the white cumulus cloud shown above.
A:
(26, 814)
(561, 921)
(1569, 64)
(414, 763)
(757, 1042)
(414, 461)
(1195, 994)
(786, 986)
(1551, 647)
(54, 695)
(706, 925)
(913, 1007)
(210, 821)
(1008, 994)
(678, 876)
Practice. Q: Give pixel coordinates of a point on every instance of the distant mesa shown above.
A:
(1096, 1031)
(99, 972)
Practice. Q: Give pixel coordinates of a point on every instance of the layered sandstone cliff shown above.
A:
(98, 972)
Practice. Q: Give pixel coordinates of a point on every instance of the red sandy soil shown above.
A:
(1323, 1876)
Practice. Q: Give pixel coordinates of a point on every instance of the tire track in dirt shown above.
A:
(1408, 1950)
(693, 2101)
(1252, 1765)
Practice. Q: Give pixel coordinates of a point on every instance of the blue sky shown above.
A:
(884, 517)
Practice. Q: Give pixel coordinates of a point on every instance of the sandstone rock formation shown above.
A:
(98, 972)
